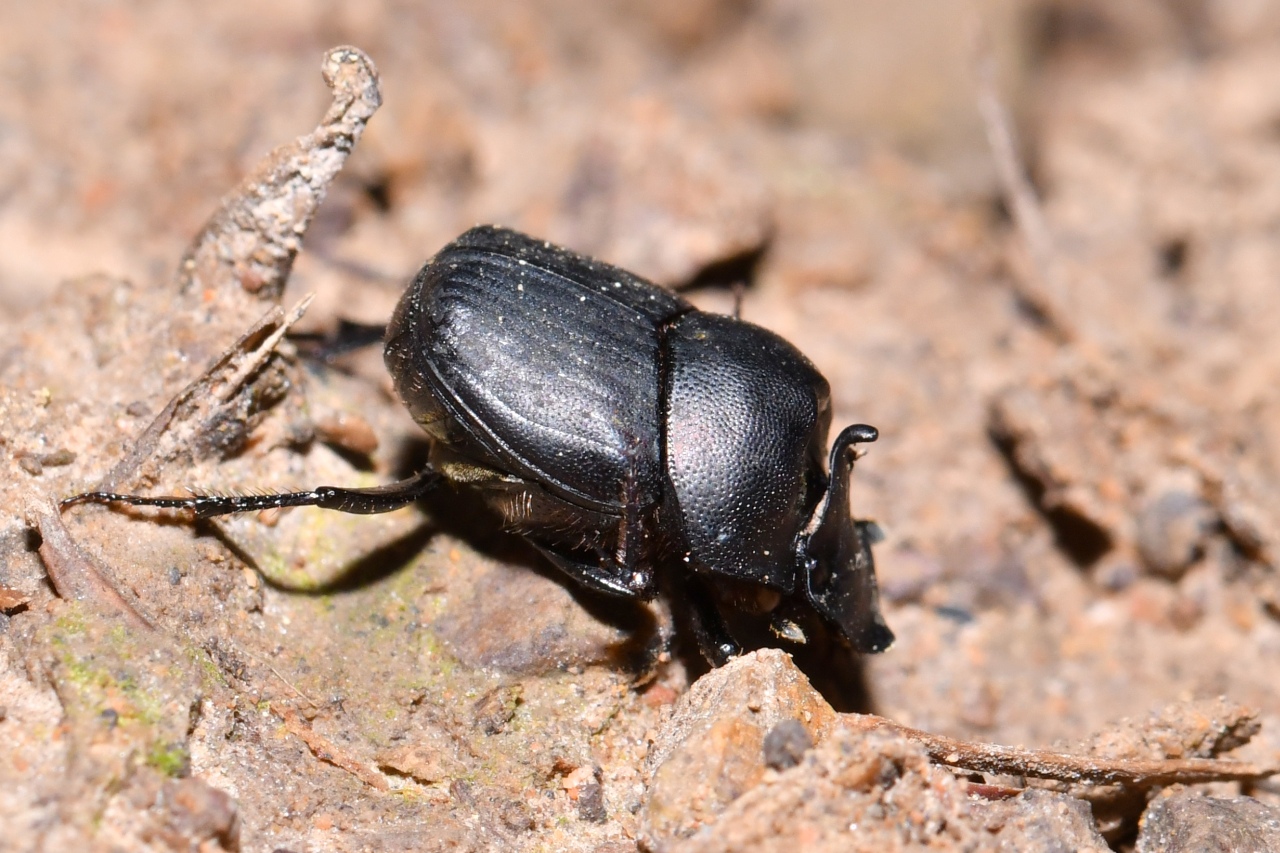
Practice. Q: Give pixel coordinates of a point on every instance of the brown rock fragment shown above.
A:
(430, 756)
(854, 792)
(785, 744)
(712, 749)
(1037, 820)
(13, 599)
(196, 814)
(591, 803)
(1185, 821)
(1173, 522)
(1200, 729)
(495, 709)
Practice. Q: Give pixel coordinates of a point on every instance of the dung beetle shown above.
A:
(619, 429)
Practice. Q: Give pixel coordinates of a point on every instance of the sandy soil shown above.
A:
(1078, 473)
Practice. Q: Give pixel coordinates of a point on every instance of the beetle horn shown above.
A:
(840, 575)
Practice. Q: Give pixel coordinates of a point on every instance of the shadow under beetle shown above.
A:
(618, 429)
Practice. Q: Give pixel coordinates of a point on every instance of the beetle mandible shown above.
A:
(619, 429)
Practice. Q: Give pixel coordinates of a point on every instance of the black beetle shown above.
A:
(617, 428)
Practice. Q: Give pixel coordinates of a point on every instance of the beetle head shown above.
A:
(837, 572)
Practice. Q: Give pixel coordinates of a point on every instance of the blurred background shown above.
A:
(665, 135)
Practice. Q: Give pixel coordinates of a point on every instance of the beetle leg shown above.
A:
(358, 501)
(620, 573)
(739, 291)
(602, 552)
(603, 576)
(348, 337)
(717, 644)
(629, 550)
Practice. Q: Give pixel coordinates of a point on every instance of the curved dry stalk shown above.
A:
(1063, 767)
(252, 238)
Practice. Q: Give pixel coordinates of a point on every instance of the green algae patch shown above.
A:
(308, 549)
(126, 691)
(171, 759)
(211, 677)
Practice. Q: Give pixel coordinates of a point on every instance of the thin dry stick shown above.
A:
(149, 440)
(254, 235)
(242, 359)
(1042, 764)
(324, 749)
(1047, 293)
(276, 672)
(258, 357)
(74, 574)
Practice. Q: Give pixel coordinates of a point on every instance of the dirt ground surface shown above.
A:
(1074, 379)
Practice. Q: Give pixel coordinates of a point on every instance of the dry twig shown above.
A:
(226, 375)
(1046, 292)
(324, 749)
(75, 575)
(256, 232)
(1043, 764)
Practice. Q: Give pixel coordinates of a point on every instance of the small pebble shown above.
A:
(58, 458)
(591, 803)
(785, 744)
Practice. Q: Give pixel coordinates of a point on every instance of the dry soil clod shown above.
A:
(713, 763)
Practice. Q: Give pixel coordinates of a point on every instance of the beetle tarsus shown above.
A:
(603, 574)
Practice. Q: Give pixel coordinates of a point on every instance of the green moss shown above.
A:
(283, 572)
(118, 635)
(83, 674)
(445, 664)
(210, 675)
(71, 622)
(171, 759)
(103, 676)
